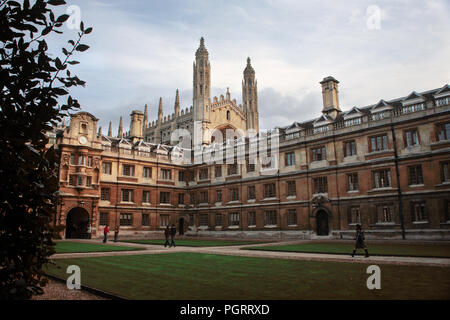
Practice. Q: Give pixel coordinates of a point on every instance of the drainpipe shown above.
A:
(399, 192)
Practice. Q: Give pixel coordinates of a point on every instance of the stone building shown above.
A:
(385, 166)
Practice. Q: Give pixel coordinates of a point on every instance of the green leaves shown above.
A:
(82, 47)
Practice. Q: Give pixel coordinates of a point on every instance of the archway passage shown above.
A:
(77, 224)
(181, 226)
(322, 223)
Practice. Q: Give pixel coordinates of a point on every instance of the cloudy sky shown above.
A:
(143, 50)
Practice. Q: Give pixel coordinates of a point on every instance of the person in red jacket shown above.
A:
(105, 232)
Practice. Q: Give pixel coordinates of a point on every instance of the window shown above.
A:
(81, 160)
(128, 170)
(218, 171)
(352, 122)
(166, 174)
(203, 220)
(350, 148)
(180, 175)
(269, 190)
(72, 159)
(145, 220)
(218, 219)
(411, 138)
(415, 175)
(191, 220)
(163, 220)
(104, 218)
(291, 189)
(192, 197)
(234, 219)
(251, 192)
(88, 181)
(252, 218)
(418, 212)
(147, 172)
(232, 169)
(89, 161)
(352, 182)
(290, 159)
(127, 195)
(234, 194)
(413, 108)
(354, 215)
(203, 174)
(105, 194)
(106, 167)
(250, 167)
(445, 171)
(444, 131)
(382, 179)
(204, 197)
(181, 198)
(447, 210)
(72, 180)
(378, 143)
(318, 154)
(320, 185)
(228, 114)
(126, 219)
(386, 214)
(145, 196)
(443, 101)
(218, 195)
(191, 175)
(292, 217)
(79, 181)
(164, 197)
(271, 218)
(268, 162)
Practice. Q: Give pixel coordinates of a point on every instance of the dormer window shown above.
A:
(352, 122)
(321, 129)
(413, 108)
(443, 101)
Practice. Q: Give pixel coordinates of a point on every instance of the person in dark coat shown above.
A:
(167, 234)
(359, 241)
(105, 233)
(116, 233)
(173, 232)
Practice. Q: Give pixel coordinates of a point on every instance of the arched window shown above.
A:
(228, 114)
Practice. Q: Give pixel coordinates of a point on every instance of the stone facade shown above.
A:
(385, 166)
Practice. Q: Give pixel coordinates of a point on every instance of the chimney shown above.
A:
(136, 125)
(330, 95)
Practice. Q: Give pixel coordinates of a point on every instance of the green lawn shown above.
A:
(417, 250)
(196, 276)
(196, 243)
(72, 247)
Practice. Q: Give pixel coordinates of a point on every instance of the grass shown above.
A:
(196, 276)
(415, 250)
(194, 242)
(74, 247)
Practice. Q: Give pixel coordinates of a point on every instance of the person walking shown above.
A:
(166, 234)
(360, 243)
(105, 233)
(173, 232)
(116, 233)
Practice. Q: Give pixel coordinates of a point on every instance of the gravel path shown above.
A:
(55, 290)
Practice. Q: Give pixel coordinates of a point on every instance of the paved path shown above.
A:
(236, 251)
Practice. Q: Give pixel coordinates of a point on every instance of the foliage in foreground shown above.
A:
(31, 82)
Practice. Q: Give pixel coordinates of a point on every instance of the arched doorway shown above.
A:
(181, 226)
(322, 223)
(77, 224)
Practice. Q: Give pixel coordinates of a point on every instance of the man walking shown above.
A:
(105, 233)
(173, 232)
(360, 243)
(166, 234)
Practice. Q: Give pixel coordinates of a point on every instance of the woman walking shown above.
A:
(360, 243)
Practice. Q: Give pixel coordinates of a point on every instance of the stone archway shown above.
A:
(322, 222)
(77, 224)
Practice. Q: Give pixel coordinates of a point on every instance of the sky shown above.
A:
(143, 50)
